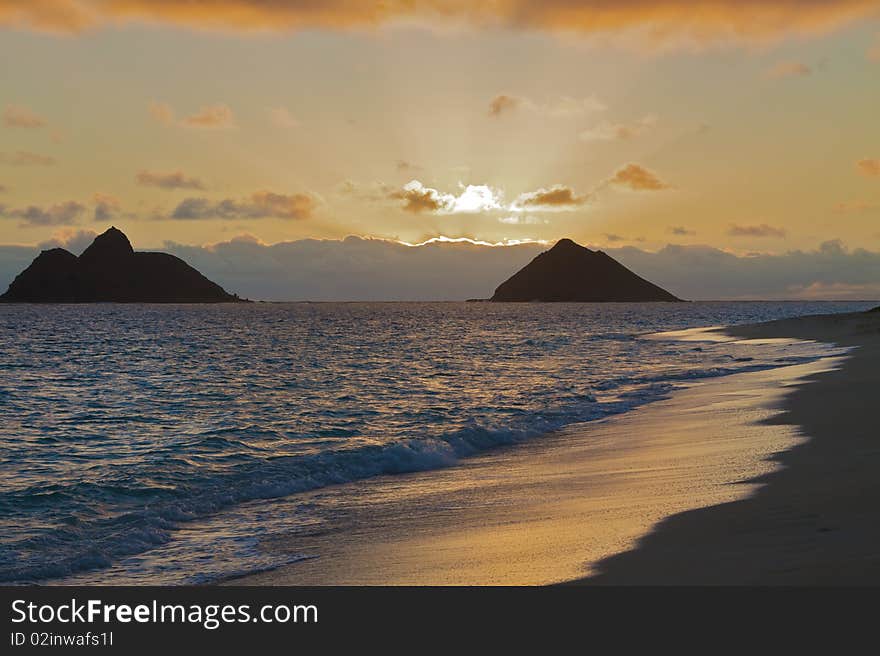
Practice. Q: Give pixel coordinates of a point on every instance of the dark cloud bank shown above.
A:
(365, 269)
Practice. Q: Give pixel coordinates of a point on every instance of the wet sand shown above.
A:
(688, 490)
(816, 521)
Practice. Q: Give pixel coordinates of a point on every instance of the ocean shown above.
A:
(167, 443)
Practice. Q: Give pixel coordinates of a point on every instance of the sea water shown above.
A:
(163, 443)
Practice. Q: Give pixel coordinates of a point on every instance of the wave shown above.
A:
(155, 511)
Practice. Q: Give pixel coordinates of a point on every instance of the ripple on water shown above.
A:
(123, 428)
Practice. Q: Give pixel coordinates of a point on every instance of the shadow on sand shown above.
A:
(815, 521)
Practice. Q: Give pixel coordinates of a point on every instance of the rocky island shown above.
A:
(568, 272)
(110, 270)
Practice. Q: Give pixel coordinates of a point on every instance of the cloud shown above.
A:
(789, 69)
(555, 199)
(637, 178)
(474, 199)
(418, 198)
(16, 116)
(502, 104)
(443, 239)
(169, 180)
(664, 22)
(106, 207)
(358, 269)
(65, 213)
(607, 131)
(75, 241)
(561, 107)
(869, 167)
(762, 230)
(681, 231)
(444, 269)
(702, 272)
(211, 117)
(161, 112)
(282, 118)
(259, 205)
(50, 15)
(25, 158)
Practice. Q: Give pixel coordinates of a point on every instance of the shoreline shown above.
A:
(552, 510)
(813, 521)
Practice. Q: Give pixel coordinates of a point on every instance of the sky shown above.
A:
(654, 129)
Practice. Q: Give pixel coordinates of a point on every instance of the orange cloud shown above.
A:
(161, 112)
(418, 198)
(556, 198)
(15, 116)
(210, 116)
(699, 21)
(502, 104)
(471, 199)
(638, 178)
(869, 167)
(294, 206)
(49, 15)
(260, 205)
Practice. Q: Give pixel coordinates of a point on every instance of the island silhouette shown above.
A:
(569, 272)
(110, 270)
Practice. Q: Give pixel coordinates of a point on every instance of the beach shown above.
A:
(812, 522)
(765, 477)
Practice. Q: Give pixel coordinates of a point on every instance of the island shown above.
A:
(110, 271)
(569, 272)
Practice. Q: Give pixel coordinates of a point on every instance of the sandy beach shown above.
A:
(761, 477)
(812, 522)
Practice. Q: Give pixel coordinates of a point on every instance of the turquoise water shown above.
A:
(124, 426)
